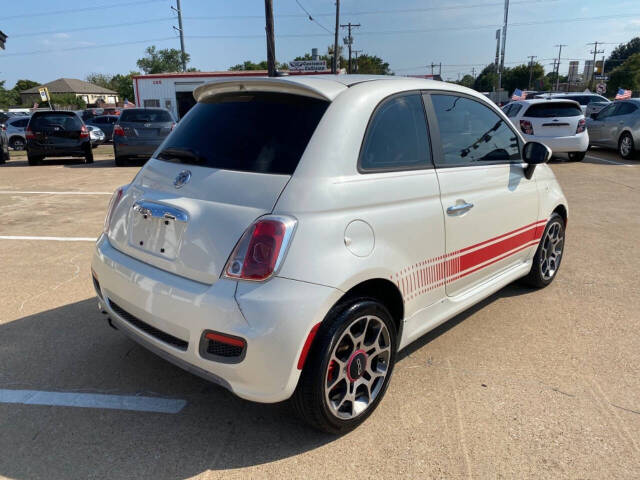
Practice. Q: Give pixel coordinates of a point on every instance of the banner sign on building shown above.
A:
(307, 65)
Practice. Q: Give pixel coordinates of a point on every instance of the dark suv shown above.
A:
(139, 131)
(57, 134)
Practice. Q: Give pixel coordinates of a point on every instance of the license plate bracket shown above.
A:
(157, 228)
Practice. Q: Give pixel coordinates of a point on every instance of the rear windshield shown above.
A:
(47, 120)
(551, 109)
(253, 132)
(145, 116)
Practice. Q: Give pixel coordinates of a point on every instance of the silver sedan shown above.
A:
(617, 126)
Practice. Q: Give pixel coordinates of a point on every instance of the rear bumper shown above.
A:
(134, 148)
(273, 317)
(53, 151)
(572, 143)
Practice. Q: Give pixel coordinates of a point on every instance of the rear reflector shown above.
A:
(307, 346)
(221, 347)
(218, 337)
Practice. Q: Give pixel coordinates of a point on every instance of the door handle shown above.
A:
(459, 208)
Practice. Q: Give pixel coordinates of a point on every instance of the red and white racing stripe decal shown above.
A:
(426, 275)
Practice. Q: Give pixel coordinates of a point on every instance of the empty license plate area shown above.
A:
(157, 228)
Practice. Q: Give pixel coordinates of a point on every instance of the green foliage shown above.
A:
(62, 100)
(467, 81)
(371, 64)
(621, 53)
(8, 98)
(25, 84)
(123, 84)
(249, 65)
(162, 61)
(512, 78)
(487, 79)
(625, 76)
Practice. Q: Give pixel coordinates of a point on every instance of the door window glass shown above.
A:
(472, 133)
(626, 108)
(397, 136)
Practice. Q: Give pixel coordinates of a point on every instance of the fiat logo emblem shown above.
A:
(183, 178)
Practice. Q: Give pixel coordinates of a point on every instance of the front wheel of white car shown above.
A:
(546, 261)
(348, 368)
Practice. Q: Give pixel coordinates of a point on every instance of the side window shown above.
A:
(626, 108)
(471, 132)
(607, 111)
(397, 136)
(21, 123)
(514, 111)
(507, 108)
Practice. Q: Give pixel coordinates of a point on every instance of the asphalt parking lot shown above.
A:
(528, 384)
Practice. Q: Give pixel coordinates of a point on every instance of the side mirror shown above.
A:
(534, 153)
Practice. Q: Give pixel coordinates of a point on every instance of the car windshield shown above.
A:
(145, 116)
(254, 132)
(553, 109)
(68, 122)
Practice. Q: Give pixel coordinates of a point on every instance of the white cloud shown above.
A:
(61, 35)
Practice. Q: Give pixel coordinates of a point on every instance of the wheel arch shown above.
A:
(562, 211)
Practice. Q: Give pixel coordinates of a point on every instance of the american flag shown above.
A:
(623, 94)
(518, 95)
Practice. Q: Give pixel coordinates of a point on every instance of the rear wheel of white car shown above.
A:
(626, 148)
(546, 261)
(348, 368)
(577, 156)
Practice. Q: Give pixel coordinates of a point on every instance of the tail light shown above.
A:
(113, 203)
(582, 125)
(526, 127)
(118, 131)
(84, 133)
(28, 134)
(261, 249)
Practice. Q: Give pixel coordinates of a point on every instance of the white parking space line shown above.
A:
(590, 157)
(92, 400)
(32, 192)
(52, 239)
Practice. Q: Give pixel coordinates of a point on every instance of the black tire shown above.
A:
(576, 156)
(4, 157)
(625, 152)
(121, 161)
(308, 400)
(88, 154)
(34, 160)
(17, 143)
(537, 277)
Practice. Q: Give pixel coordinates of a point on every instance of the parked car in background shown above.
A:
(57, 133)
(16, 127)
(558, 123)
(584, 99)
(88, 113)
(96, 135)
(112, 111)
(104, 123)
(266, 250)
(4, 144)
(595, 107)
(139, 131)
(617, 126)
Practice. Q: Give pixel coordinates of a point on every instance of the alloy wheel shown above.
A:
(358, 367)
(626, 145)
(552, 247)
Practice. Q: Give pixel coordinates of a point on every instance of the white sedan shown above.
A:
(558, 123)
(292, 234)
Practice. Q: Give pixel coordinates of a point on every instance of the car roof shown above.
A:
(54, 112)
(325, 87)
(535, 101)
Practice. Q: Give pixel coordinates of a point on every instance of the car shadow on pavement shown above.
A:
(65, 162)
(72, 349)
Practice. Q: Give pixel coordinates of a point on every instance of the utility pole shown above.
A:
(271, 42)
(356, 53)
(558, 66)
(504, 42)
(497, 64)
(473, 72)
(595, 52)
(432, 65)
(334, 65)
(531, 57)
(181, 31)
(349, 40)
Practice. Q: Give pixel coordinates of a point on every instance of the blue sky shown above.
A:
(458, 33)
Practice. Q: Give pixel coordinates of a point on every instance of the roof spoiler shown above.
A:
(272, 84)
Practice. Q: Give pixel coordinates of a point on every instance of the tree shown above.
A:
(621, 53)
(8, 98)
(625, 76)
(487, 79)
(373, 65)
(100, 79)
(25, 85)
(467, 81)
(249, 65)
(518, 77)
(162, 61)
(60, 100)
(123, 84)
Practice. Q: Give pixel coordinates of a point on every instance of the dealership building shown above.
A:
(174, 91)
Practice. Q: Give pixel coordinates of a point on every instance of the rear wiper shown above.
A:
(184, 154)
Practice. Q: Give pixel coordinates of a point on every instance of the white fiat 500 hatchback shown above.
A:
(292, 234)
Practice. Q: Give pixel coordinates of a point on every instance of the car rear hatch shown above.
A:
(56, 130)
(223, 166)
(146, 124)
(554, 118)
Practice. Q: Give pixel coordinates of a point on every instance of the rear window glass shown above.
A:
(551, 109)
(68, 122)
(145, 116)
(254, 132)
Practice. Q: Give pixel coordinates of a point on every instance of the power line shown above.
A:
(86, 47)
(93, 27)
(110, 6)
(313, 19)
